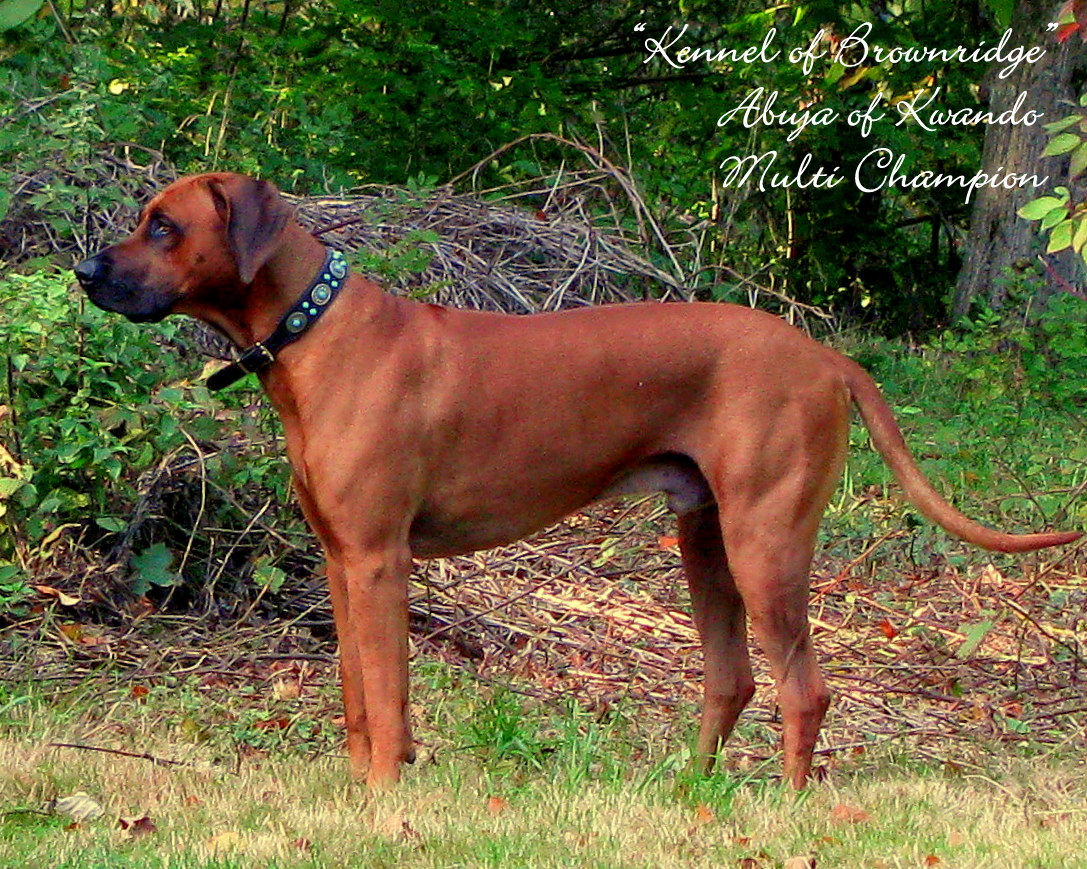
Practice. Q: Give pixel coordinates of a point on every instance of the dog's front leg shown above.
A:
(354, 698)
(370, 595)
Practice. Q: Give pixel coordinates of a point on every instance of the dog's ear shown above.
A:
(254, 214)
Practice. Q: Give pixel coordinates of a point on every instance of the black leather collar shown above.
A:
(307, 310)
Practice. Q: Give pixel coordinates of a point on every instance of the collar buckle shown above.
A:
(255, 358)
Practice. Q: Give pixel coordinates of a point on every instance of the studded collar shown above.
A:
(317, 298)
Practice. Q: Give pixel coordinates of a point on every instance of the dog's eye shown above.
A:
(159, 228)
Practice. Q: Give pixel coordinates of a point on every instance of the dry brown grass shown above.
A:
(290, 812)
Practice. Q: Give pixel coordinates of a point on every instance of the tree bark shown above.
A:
(999, 240)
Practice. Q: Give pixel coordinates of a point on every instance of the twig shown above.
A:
(159, 761)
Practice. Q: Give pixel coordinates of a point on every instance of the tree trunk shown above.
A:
(1000, 240)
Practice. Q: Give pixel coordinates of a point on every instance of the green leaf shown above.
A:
(1063, 124)
(974, 635)
(152, 566)
(1002, 11)
(111, 523)
(1017, 726)
(836, 71)
(15, 12)
(1039, 208)
(269, 576)
(1054, 217)
(9, 486)
(1079, 161)
(1060, 238)
(1079, 240)
(1061, 144)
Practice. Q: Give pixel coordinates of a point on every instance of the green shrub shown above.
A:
(93, 402)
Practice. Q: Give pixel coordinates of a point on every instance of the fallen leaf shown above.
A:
(704, 815)
(286, 689)
(192, 729)
(303, 844)
(396, 826)
(991, 576)
(800, 862)
(496, 805)
(667, 542)
(228, 840)
(139, 693)
(53, 536)
(79, 807)
(281, 722)
(889, 630)
(135, 828)
(76, 633)
(62, 598)
(845, 814)
(932, 860)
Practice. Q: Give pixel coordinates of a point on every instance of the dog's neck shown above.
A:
(277, 286)
(283, 293)
(279, 283)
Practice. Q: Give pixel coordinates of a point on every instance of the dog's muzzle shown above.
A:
(96, 275)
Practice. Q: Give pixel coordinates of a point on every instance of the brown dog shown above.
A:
(417, 431)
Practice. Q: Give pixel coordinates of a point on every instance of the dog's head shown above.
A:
(198, 246)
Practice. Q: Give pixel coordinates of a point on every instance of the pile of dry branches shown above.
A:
(576, 237)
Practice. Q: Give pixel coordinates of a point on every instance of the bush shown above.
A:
(93, 404)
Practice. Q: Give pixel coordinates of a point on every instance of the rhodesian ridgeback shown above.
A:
(416, 431)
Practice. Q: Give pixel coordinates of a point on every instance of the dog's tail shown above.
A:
(888, 440)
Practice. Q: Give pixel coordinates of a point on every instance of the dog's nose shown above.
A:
(92, 271)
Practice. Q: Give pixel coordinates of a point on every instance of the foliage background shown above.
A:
(328, 94)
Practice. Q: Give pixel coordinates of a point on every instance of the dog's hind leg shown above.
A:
(771, 570)
(719, 615)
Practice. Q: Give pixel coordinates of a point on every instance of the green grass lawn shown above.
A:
(500, 782)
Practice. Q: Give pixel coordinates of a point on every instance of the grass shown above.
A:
(501, 782)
